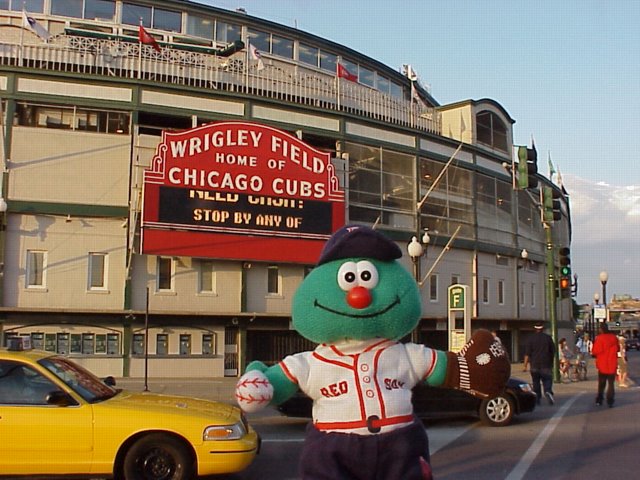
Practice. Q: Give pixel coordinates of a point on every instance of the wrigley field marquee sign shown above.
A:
(242, 191)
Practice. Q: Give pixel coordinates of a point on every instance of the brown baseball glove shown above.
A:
(481, 368)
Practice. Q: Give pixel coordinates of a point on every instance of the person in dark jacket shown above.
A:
(605, 349)
(539, 353)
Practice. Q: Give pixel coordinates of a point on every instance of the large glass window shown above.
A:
(99, 10)
(31, 6)
(167, 20)
(228, 32)
(132, 14)
(281, 46)
(491, 130)
(328, 61)
(260, 40)
(450, 202)
(67, 8)
(71, 118)
(381, 186)
(308, 54)
(200, 26)
(495, 217)
(36, 269)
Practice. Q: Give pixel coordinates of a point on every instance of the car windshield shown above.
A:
(83, 382)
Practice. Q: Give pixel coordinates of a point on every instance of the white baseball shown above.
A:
(253, 391)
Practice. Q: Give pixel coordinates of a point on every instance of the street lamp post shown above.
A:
(604, 277)
(596, 302)
(416, 250)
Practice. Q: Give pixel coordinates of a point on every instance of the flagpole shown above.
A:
(338, 82)
(24, 15)
(246, 69)
(140, 51)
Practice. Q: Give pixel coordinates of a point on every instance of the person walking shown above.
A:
(539, 353)
(623, 381)
(605, 350)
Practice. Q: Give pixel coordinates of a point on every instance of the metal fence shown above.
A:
(278, 79)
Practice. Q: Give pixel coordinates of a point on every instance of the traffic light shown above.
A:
(527, 167)
(552, 206)
(565, 272)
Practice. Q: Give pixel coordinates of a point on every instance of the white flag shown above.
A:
(31, 24)
(255, 55)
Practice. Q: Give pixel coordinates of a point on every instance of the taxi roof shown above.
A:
(29, 355)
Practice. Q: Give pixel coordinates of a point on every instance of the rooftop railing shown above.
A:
(278, 80)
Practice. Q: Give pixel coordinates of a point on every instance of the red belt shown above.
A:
(374, 424)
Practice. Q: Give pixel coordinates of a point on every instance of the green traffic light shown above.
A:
(565, 271)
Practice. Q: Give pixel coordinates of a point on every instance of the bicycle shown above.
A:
(578, 370)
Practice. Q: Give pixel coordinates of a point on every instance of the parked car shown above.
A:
(435, 402)
(632, 343)
(59, 419)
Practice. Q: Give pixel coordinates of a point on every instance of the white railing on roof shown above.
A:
(278, 80)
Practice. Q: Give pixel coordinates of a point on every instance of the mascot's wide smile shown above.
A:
(355, 315)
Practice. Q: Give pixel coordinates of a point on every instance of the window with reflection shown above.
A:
(260, 40)
(281, 46)
(450, 202)
(381, 186)
(491, 130)
(367, 77)
(67, 8)
(167, 20)
(132, 14)
(328, 61)
(31, 6)
(228, 32)
(308, 54)
(200, 26)
(100, 10)
(495, 215)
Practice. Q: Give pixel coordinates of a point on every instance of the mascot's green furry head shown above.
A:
(358, 291)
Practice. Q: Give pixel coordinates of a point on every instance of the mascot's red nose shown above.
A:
(359, 297)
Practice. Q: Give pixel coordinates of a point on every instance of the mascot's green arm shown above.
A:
(439, 373)
(283, 387)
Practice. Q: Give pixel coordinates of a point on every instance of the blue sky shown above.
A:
(567, 71)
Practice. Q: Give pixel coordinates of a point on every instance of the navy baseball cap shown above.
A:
(359, 241)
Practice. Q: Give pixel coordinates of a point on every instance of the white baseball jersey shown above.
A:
(361, 387)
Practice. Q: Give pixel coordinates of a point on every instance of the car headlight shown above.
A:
(526, 387)
(224, 432)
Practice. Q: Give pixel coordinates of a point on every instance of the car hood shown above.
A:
(160, 404)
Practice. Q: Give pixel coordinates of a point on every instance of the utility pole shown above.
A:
(551, 296)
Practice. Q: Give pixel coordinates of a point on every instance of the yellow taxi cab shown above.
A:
(58, 419)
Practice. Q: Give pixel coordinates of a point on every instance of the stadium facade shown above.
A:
(171, 171)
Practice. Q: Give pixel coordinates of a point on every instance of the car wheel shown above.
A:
(497, 411)
(158, 457)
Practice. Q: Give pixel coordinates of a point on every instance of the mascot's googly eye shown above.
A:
(348, 276)
(367, 274)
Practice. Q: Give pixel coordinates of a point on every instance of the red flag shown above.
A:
(342, 72)
(146, 38)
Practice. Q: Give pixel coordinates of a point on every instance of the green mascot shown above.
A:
(357, 304)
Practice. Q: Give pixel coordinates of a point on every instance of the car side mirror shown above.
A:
(109, 381)
(60, 399)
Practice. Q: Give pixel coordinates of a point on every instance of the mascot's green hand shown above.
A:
(481, 368)
(261, 386)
